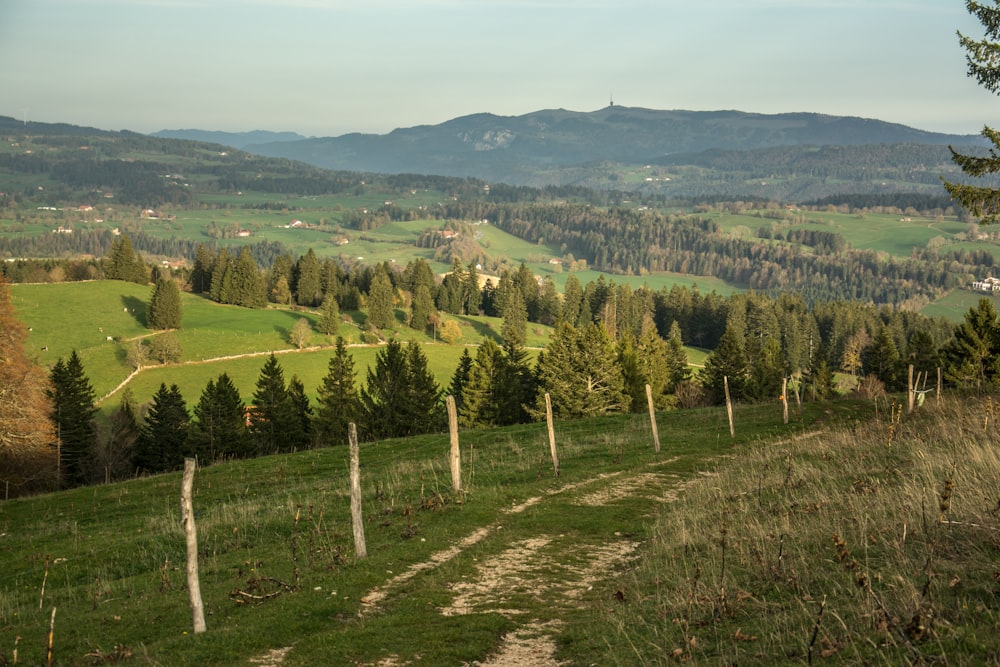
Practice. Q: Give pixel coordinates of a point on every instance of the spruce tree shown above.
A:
(460, 378)
(246, 284)
(201, 274)
(73, 413)
(422, 308)
(222, 268)
(972, 357)
(727, 362)
(514, 329)
(983, 59)
(219, 429)
(339, 403)
(308, 289)
(384, 398)
(299, 434)
(162, 442)
(117, 441)
(123, 263)
(472, 296)
(580, 372)
(424, 406)
(479, 395)
(164, 310)
(329, 316)
(380, 301)
(272, 415)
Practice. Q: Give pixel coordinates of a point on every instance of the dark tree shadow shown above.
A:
(136, 308)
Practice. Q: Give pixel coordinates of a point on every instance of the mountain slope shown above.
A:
(515, 149)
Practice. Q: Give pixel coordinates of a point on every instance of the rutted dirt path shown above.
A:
(550, 568)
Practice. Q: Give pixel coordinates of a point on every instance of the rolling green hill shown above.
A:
(820, 540)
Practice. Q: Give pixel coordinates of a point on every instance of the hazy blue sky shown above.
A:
(327, 67)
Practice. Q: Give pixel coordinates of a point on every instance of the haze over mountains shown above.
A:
(553, 146)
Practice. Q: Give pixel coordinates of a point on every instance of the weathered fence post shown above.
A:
(939, 384)
(456, 456)
(911, 390)
(784, 398)
(357, 518)
(552, 433)
(191, 534)
(729, 406)
(652, 418)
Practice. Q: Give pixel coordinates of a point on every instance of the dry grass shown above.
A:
(878, 543)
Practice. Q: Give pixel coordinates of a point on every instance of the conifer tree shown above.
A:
(580, 372)
(983, 59)
(73, 413)
(123, 263)
(472, 296)
(201, 274)
(422, 308)
(219, 429)
(116, 442)
(460, 378)
(480, 404)
(308, 289)
(339, 403)
(162, 442)
(272, 415)
(299, 434)
(329, 316)
(246, 285)
(164, 310)
(727, 361)
(514, 329)
(380, 301)
(426, 411)
(384, 399)
(222, 268)
(972, 357)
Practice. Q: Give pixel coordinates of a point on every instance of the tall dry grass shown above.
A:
(877, 543)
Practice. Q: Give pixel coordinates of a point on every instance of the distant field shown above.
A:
(896, 235)
(955, 305)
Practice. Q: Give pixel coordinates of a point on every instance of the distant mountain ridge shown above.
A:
(238, 140)
(517, 149)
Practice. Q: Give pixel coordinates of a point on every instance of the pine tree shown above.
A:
(479, 395)
(219, 429)
(73, 413)
(162, 442)
(424, 406)
(329, 316)
(472, 296)
(164, 310)
(384, 397)
(246, 285)
(973, 355)
(123, 263)
(881, 359)
(422, 308)
(580, 372)
(514, 330)
(219, 288)
(460, 378)
(339, 403)
(983, 59)
(26, 431)
(201, 274)
(380, 301)
(299, 434)
(271, 416)
(727, 361)
(308, 289)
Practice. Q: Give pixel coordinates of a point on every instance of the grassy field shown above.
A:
(712, 551)
(956, 304)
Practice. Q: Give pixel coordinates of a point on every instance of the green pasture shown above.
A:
(957, 303)
(112, 557)
(895, 235)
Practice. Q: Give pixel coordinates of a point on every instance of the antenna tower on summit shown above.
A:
(612, 102)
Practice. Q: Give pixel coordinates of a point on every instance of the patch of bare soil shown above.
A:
(531, 645)
(272, 658)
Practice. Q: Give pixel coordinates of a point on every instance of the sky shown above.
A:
(330, 67)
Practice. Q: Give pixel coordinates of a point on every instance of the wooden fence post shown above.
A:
(784, 398)
(456, 456)
(357, 518)
(191, 534)
(911, 390)
(939, 384)
(729, 406)
(652, 418)
(552, 433)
